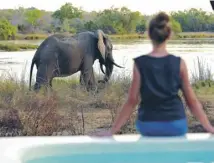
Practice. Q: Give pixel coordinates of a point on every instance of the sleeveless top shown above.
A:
(160, 83)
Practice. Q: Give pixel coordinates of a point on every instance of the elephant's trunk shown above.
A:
(109, 64)
(109, 69)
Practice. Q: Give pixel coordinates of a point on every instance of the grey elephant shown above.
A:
(60, 56)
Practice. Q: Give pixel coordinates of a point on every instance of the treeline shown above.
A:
(72, 19)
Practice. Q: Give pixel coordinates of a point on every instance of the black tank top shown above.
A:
(160, 83)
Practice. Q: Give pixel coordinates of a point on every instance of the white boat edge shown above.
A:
(13, 148)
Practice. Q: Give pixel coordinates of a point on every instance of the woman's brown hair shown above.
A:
(159, 29)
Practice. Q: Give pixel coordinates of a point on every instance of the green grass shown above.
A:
(128, 36)
(192, 35)
(16, 47)
(30, 36)
(177, 36)
(43, 36)
(182, 35)
(200, 37)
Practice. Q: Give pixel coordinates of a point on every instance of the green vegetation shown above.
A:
(195, 35)
(32, 23)
(7, 30)
(31, 36)
(16, 47)
(201, 37)
(69, 110)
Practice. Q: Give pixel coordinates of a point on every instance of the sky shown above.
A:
(144, 6)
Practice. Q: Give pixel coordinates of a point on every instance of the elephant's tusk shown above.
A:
(116, 64)
(101, 67)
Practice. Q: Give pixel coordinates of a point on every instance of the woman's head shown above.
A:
(159, 29)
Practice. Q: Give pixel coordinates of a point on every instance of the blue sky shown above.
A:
(144, 6)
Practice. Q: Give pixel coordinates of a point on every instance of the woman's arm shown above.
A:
(191, 99)
(130, 104)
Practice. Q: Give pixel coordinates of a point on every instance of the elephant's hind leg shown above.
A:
(41, 78)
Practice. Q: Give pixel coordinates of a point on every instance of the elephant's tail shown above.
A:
(31, 70)
(36, 57)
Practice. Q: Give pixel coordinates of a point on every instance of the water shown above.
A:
(145, 157)
(18, 63)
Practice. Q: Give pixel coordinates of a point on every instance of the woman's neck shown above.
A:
(159, 50)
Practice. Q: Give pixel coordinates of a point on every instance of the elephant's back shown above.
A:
(70, 56)
(45, 49)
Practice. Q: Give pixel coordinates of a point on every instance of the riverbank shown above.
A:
(16, 47)
(70, 110)
(196, 37)
(182, 35)
(43, 36)
(178, 36)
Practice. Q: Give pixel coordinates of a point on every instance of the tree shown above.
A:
(118, 20)
(45, 21)
(18, 17)
(65, 26)
(7, 30)
(192, 20)
(67, 11)
(176, 27)
(32, 16)
(141, 25)
(90, 25)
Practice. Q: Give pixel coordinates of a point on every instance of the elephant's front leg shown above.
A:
(88, 78)
(92, 82)
(81, 79)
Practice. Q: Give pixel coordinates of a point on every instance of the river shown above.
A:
(17, 63)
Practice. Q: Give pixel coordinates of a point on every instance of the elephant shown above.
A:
(62, 55)
(212, 4)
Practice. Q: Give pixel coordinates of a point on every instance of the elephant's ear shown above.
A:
(101, 44)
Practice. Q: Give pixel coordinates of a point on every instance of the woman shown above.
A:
(157, 78)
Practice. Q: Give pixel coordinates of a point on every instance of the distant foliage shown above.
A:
(194, 20)
(141, 25)
(176, 27)
(33, 16)
(120, 21)
(72, 19)
(7, 30)
(67, 11)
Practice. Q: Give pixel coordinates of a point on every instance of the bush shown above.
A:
(7, 30)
